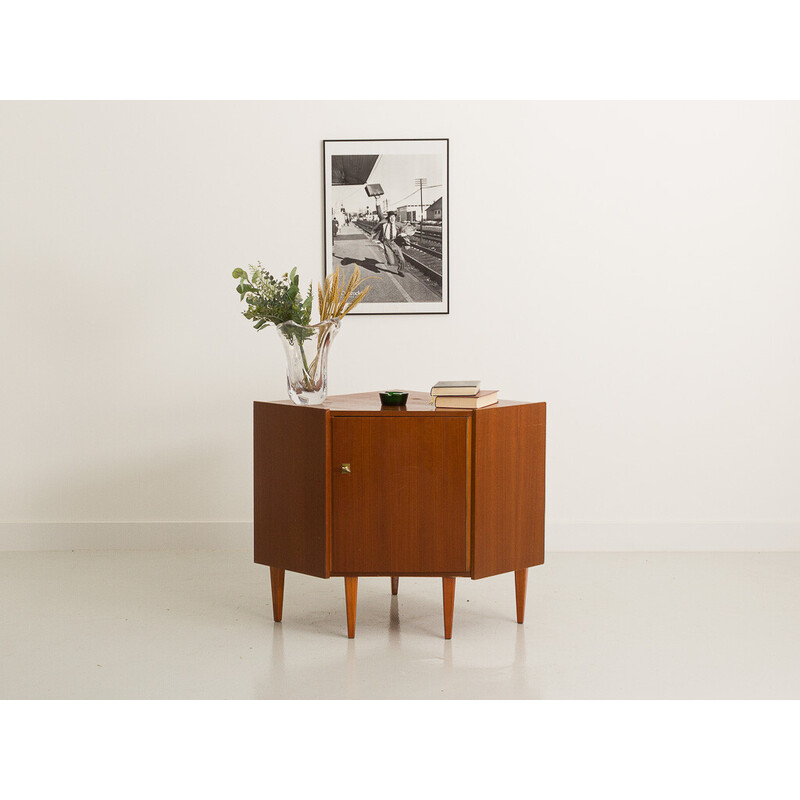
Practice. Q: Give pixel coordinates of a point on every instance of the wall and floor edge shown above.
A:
(560, 536)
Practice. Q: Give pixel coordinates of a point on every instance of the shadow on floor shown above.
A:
(370, 264)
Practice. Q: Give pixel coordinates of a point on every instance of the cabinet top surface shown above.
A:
(370, 402)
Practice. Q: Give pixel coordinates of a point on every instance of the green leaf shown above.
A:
(270, 301)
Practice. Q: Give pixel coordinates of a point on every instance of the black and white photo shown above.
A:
(386, 212)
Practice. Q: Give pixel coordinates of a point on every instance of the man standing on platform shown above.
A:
(386, 232)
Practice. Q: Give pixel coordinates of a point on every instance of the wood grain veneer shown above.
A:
(290, 488)
(369, 403)
(521, 585)
(402, 507)
(508, 512)
(448, 604)
(351, 598)
(276, 577)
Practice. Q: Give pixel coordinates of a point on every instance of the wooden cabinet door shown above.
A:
(290, 487)
(508, 524)
(402, 508)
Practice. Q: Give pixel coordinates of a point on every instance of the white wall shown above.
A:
(636, 265)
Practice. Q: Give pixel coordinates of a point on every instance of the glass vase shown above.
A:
(306, 348)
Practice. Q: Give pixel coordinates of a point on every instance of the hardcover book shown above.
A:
(487, 397)
(462, 388)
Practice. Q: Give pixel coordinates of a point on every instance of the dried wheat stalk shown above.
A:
(336, 300)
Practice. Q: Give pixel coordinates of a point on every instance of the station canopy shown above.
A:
(351, 170)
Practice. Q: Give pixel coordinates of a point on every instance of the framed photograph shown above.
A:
(386, 212)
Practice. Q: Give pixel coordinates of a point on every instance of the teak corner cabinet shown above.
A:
(349, 489)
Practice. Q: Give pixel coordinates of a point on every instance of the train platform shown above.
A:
(353, 247)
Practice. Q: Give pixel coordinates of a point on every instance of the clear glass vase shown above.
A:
(306, 348)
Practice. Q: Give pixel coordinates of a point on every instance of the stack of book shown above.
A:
(462, 394)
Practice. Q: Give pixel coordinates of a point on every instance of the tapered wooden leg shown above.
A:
(276, 577)
(350, 595)
(449, 596)
(395, 582)
(521, 581)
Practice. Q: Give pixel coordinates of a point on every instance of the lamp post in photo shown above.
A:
(420, 182)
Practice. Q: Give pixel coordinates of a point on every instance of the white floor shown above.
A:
(198, 624)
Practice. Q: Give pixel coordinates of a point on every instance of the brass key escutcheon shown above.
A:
(346, 469)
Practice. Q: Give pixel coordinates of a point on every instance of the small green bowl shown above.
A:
(393, 398)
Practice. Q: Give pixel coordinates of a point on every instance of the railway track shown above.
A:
(426, 260)
(437, 253)
(431, 267)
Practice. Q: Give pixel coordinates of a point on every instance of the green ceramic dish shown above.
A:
(393, 398)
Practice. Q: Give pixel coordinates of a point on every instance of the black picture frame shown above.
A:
(419, 282)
